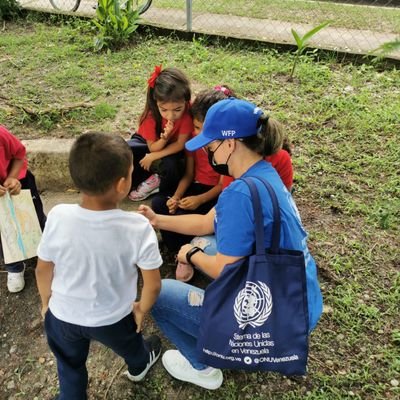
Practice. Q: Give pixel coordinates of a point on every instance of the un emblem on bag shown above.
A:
(253, 304)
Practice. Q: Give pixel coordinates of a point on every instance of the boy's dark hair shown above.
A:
(171, 85)
(97, 160)
(205, 99)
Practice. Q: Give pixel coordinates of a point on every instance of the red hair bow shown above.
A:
(157, 71)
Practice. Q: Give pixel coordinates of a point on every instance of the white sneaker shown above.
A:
(15, 281)
(180, 368)
(154, 346)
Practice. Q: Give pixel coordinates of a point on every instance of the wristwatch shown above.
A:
(191, 252)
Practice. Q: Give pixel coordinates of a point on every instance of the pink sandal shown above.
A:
(184, 272)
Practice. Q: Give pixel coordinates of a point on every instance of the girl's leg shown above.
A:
(177, 313)
(29, 182)
(15, 276)
(172, 169)
(139, 149)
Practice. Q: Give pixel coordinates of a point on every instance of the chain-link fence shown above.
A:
(356, 26)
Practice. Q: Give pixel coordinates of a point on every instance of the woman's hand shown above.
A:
(182, 253)
(149, 214)
(13, 185)
(146, 161)
(190, 203)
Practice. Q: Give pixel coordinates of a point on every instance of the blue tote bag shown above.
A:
(255, 314)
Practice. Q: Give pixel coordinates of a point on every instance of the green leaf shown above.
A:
(313, 31)
(297, 38)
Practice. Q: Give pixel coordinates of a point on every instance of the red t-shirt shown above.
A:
(203, 172)
(281, 161)
(183, 125)
(10, 148)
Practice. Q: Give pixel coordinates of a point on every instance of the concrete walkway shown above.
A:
(267, 30)
(48, 160)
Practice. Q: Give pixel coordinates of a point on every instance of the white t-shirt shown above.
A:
(95, 254)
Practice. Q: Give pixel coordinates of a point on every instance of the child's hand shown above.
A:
(190, 203)
(3, 190)
(169, 126)
(44, 310)
(139, 315)
(13, 185)
(149, 214)
(172, 204)
(146, 161)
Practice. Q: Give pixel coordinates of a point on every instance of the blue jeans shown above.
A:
(70, 345)
(208, 243)
(177, 314)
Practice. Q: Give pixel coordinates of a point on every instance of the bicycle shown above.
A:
(72, 5)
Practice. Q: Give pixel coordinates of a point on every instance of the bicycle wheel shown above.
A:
(142, 5)
(65, 5)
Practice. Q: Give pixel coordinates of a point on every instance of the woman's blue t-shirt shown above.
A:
(235, 229)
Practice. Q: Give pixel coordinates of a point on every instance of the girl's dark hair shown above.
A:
(269, 139)
(97, 160)
(205, 99)
(171, 85)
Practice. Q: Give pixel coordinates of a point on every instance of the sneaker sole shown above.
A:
(183, 378)
(154, 191)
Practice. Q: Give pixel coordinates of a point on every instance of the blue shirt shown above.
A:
(235, 228)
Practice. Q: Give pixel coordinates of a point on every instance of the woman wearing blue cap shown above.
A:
(237, 135)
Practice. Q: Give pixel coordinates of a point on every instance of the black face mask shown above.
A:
(221, 169)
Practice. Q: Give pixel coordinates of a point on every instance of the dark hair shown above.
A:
(171, 85)
(97, 160)
(205, 99)
(269, 139)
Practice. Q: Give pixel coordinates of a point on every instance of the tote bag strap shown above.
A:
(259, 218)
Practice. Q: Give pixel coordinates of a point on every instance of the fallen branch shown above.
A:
(112, 380)
(49, 110)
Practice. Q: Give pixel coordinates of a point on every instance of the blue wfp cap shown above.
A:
(228, 119)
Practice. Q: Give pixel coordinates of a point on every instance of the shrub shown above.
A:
(116, 21)
(9, 10)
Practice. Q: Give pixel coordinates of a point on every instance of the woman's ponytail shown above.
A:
(269, 139)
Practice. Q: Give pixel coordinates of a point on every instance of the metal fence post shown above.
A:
(189, 15)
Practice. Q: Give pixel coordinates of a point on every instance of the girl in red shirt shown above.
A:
(198, 190)
(14, 176)
(164, 127)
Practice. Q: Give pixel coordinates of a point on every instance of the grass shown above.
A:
(345, 124)
(380, 19)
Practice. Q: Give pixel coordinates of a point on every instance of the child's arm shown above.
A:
(183, 185)
(150, 291)
(161, 143)
(194, 202)
(44, 278)
(11, 183)
(172, 148)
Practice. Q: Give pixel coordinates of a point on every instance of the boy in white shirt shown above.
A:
(86, 271)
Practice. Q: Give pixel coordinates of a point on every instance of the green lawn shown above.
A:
(344, 121)
(379, 19)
